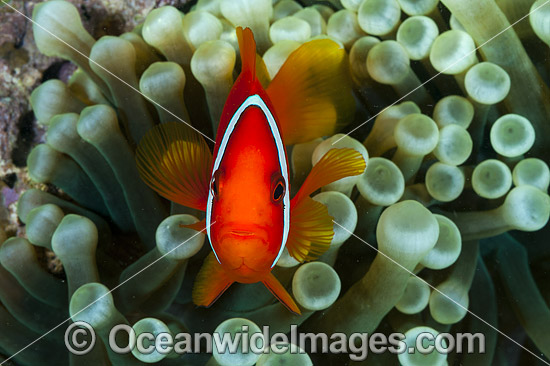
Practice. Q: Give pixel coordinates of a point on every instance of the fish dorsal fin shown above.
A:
(210, 283)
(175, 161)
(312, 92)
(247, 47)
(311, 227)
(251, 80)
(252, 64)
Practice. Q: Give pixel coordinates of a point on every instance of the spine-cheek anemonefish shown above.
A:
(244, 187)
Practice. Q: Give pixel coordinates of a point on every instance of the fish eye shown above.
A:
(214, 186)
(215, 183)
(279, 190)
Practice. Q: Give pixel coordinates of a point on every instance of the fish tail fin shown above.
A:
(247, 47)
(211, 282)
(312, 92)
(280, 293)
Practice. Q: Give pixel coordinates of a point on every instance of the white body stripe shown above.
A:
(254, 100)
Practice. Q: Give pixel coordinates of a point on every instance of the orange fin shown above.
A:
(210, 283)
(336, 164)
(247, 48)
(252, 63)
(311, 227)
(197, 226)
(311, 230)
(312, 92)
(280, 293)
(175, 161)
(261, 72)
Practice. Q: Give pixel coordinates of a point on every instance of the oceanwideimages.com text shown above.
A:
(80, 339)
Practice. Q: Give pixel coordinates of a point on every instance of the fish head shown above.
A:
(248, 209)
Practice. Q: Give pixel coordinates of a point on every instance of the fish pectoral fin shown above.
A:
(311, 227)
(312, 92)
(211, 282)
(336, 164)
(197, 226)
(311, 230)
(280, 293)
(175, 161)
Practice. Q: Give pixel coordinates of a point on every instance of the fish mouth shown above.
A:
(241, 248)
(241, 233)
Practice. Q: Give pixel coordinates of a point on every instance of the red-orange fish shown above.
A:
(245, 187)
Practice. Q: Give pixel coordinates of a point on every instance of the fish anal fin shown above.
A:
(312, 92)
(197, 226)
(311, 230)
(280, 293)
(175, 161)
(336, 164)
(210, 283)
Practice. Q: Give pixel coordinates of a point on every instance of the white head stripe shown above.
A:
(254, 100)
